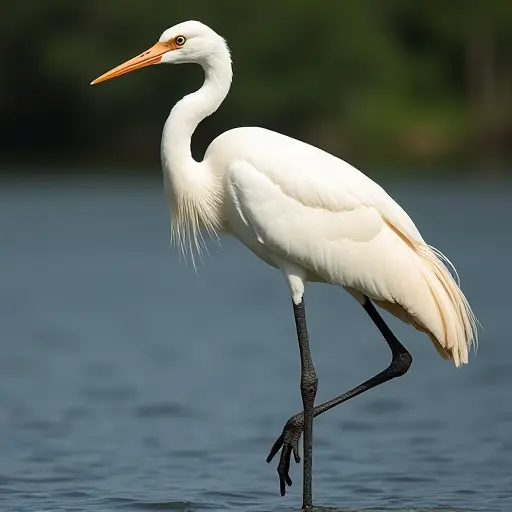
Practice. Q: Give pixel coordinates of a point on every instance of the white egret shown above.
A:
(307, 213)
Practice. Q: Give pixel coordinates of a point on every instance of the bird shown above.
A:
(309, 214)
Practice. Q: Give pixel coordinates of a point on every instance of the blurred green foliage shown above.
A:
(394, 84)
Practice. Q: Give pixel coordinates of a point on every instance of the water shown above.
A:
(128, 382)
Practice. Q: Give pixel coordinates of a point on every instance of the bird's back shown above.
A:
(274, 150)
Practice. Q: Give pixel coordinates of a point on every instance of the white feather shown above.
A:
(300, 209)
(307, 207)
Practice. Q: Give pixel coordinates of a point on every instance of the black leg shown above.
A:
(289, 439)
(308, 387)
(400, 363)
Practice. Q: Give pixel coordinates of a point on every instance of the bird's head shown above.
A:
(190, 41)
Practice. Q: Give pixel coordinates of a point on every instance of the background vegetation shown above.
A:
(391, 84)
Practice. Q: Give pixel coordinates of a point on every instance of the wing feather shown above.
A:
(343, 228)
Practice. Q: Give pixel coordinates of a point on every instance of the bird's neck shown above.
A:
(190, 111)
(191, 187)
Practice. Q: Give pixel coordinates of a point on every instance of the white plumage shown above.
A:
(304, 211)
(300, 209)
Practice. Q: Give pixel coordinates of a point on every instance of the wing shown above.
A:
(312, 209)
(312, 176)
(326, 216)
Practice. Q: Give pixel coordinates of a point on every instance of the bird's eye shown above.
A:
(180, 40)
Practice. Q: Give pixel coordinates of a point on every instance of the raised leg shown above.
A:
(289, 439)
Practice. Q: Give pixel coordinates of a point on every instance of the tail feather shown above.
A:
(444, 353)
(459, 323)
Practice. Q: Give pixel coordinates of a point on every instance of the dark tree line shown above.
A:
(390, 83)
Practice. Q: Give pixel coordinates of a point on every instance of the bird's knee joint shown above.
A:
(401, 364)
(309, 385)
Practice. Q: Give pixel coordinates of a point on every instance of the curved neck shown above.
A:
(191, 188)
(191, 110)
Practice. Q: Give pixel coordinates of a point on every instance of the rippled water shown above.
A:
(128, 382)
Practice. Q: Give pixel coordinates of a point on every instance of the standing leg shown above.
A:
(289, 439)
(308, 387)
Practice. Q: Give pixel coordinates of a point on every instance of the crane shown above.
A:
(310, 215)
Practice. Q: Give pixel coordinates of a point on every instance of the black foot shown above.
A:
(289, 442)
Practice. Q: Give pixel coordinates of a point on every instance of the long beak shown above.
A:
(151, 56)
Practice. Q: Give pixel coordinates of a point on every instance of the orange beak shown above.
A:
(149, 57)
